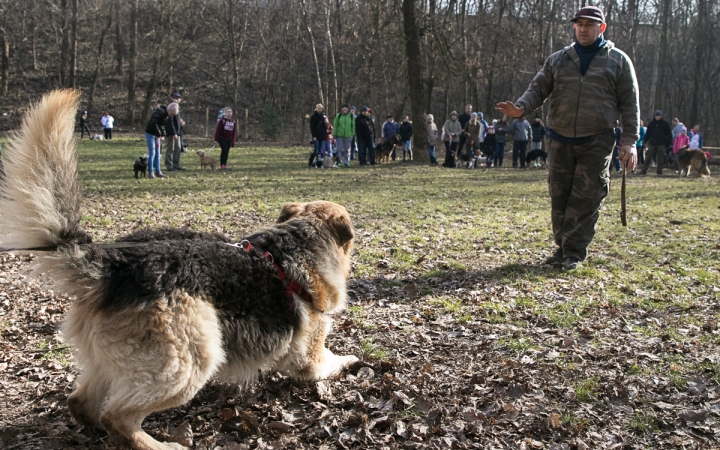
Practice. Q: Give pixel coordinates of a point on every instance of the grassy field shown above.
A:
(453, 306)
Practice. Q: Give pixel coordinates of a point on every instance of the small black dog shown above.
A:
(535, 154)
(140, 166)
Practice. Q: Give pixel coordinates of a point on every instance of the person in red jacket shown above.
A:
(225, 136)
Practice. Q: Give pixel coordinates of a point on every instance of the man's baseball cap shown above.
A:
(176, 95)
(658, 113)
(364, 108)
(590, 12)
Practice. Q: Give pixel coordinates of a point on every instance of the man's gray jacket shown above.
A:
(582, 106)
(521, 130)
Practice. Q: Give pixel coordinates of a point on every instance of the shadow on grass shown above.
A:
(506, 273)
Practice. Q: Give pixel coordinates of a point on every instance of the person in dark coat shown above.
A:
(365, 132)
(84, 126)
(154, 133)
(658, 137)
(317, 122)
(406, 133)
(463, 118)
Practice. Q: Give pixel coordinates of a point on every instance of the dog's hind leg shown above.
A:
(159, 358)
(85, 403)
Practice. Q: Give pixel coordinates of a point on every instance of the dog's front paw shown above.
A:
(333, 365)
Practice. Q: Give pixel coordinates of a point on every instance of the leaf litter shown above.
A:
(516, 355)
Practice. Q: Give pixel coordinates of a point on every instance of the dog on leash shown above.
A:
(159, 313)
(206, 160)
(695, 159)
(140, 166)
(535, 154)
(385, 148)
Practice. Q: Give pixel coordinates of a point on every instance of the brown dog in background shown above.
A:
(695, 159)
(206, 160)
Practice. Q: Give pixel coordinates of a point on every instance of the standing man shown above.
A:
(176, 97)
(658, 137)
(316, 120)
(463, 118)
(522, 134)
(84, 125)
(406, 133)
(108, 122)
(353, 144)
(173, 131)
(390, 129)
(365, 131)
(594, 74)
(344, 130)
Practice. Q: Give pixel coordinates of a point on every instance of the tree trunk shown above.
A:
(414, 79)
(5, 65)
(151, 87)
(665, 18)
(700, 42)
(233, 49)
(132, 64)
(98, 61)
(65, 46)
(119, 44)
(34, 48)
(332, 58)
(314, 51)
(72, 79)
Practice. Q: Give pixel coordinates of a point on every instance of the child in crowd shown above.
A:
(488, 146)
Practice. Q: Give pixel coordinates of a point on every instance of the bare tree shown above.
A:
(414, 80)
(132, 66)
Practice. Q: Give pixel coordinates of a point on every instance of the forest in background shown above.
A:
(277, 59)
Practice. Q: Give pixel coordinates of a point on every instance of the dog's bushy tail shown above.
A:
(40, 192)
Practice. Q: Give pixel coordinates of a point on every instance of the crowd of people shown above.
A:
(350, 136)
(659, 143)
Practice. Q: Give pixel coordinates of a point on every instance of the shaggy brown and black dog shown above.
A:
(695, 159)
(161, 312)
(385, 148)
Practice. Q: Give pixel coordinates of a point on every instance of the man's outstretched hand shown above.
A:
(509, 109)
(628, 156)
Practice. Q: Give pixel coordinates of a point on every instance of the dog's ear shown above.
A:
(341, 227)
(336, 219)
(290, 211)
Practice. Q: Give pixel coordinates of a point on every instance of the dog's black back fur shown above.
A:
(242, 286)
(388, 145)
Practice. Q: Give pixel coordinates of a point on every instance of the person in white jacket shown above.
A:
(107, 122)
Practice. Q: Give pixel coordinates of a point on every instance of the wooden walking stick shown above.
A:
(623, 201)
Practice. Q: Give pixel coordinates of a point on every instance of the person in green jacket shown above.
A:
(591, 87)
(344, 130)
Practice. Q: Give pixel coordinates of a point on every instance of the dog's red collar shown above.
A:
(291, 287)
